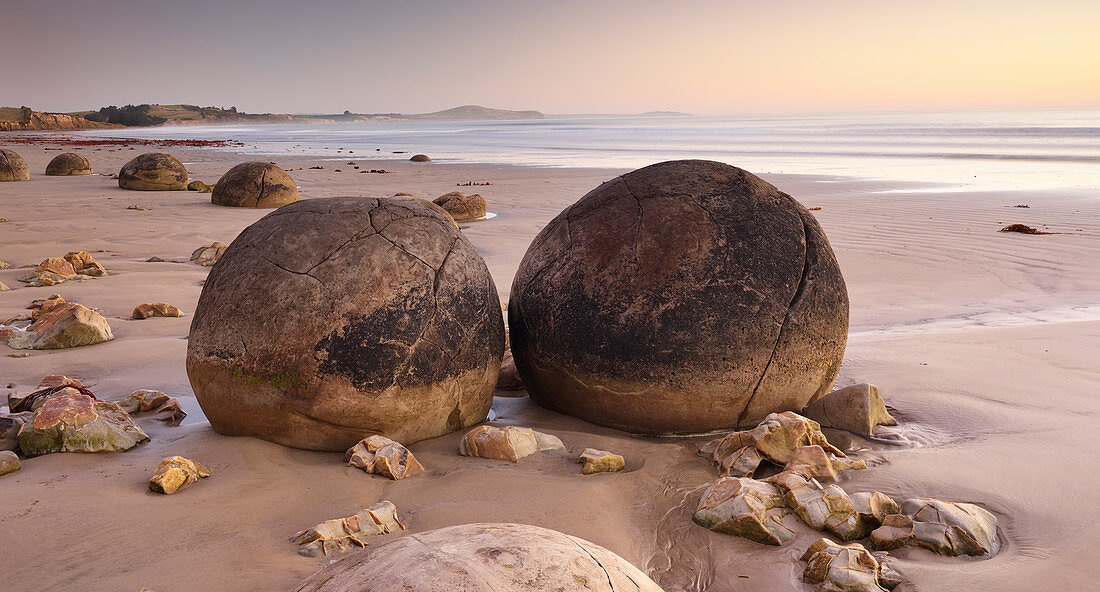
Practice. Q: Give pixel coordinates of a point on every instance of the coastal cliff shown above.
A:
(25, 118)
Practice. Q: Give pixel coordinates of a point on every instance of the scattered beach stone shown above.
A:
(10, 424)
(504, 557)
(858, 409)
(635, 260)
(164, 407)
(509, 379)
(174, 473)
(4, 287)
(135, 207)
(334, 318)
(600, 461)
(208, 255)
(382, 456)
(57, 325)
(947, 528)
(156, 260)
(4, 264)
(153, 171)
(255, 185)
(745, 507)
(509, 443)
(68, 163)
(13, 167)
(825, 508)
(776, 439)
(75, 265)
(199, 186)
(9, 462)
(341, 534)
(419, 158)
(52, 385)
(79, 423)
(155, 309)
(896, 532)
(842, 568)
(462, 207)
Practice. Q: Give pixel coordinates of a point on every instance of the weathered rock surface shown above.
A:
(79, 423)
(9, 462)
(841, 568)
(604, 309)
(509, 443)
(482, 558)
(745, 507)
(13, 167)
(333, 318)
(153, 171)
(341, 534)
(947, 528)
(462, 207)
(382, 456)
(825, 508)
(208, 255)
(509, 379)
(199, 186)
(420, 158)
(858, 409)
(67, 164)
(164, 407)
(75, 265)
(777, 439)
(814, 463)
(10, 424)
(176, 472)
(155, 309)
(57, 325)
(51, 385)
(600, 461)
(255, 185)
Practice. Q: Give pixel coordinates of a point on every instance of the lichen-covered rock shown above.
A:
(482, 558)
(841, 568)
(153, 171)
(601, 461)
(858, 409)
(462, 207)
(745, 507)
(208, 255)
(199, 186)
(68, 163)
(59, 325)
(13, 167)
(79, 423)
(51, 385)
(420, 158)
(255, 185)
(333, 318)
(341, 534)
(604, 310)
(776, 439)
(814, 463)
(174, 473)
(164, 407)
(155, 309)
(9, 462)
(10, 424)
(947, 528)
(382, 456)
(509, 443)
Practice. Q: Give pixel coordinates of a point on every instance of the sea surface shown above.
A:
(963, 150)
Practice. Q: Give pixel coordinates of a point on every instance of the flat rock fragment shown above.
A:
(340, 534)
(380, 455)
(509, 443)
(600, 461)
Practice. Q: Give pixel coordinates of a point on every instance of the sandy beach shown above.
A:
(984, 345)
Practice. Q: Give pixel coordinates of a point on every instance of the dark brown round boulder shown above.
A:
(13, 167)
(68, 164)
(255, 185)
(462, 207)
(420, 158)
(332, 319)
(153, 171)
(684, 297)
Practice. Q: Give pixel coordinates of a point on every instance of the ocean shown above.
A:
(948, 150)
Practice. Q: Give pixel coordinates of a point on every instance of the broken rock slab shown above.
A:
(380, 455)
(814, 463)
(600, 461)
(174, 473)
(946, 528)
(208, 255)
(858, 409)
(155, 309)
(776, 439)
(509, 443)
(75, 265)
(164, 407)
(341, 534)
(745, 507)
(58, 324)
(79, 423)
(842, 568)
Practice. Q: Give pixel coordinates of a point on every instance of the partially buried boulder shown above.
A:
(9, 462)
(509, 443)
(600, 461)
(843, 568)
(334, 318)
(60, 324)
(153, 171)
(68, 164)
(79, 423)
(255, 185)
(947, 528)
(382, 456)
(462, 207)
(605, 309)
(420, 158)
(482, 558)
(174, 473)
(858, 409)
(199, 186)
(340, 534)
(13, 167)
(208, 255)
(745, 507)
(155, 309)
(75, 265)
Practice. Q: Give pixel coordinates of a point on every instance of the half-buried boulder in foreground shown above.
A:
(153, 171)
(255, 185)
(686, 296)
(462, 207)
(68, 164)
(332, 319)
(13, 167)
(482, 558)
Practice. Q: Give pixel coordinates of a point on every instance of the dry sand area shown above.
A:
(984, 344)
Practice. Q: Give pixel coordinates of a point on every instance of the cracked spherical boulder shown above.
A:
(482, 557)
(68, 164)
(255, 185)
(13, 167)
(329, 320)
(153, 171)
(687, 296)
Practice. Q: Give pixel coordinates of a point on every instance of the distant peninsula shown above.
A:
(25, 118)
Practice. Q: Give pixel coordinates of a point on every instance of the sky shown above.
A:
(595, 56)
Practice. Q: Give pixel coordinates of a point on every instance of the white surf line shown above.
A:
(985, 320)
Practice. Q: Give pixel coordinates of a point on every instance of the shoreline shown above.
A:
(980, 407)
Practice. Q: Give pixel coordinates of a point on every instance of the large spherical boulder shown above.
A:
(255, 185)
(420, 158)
(684, 297)
(153, 171)
(462, 208)
(13, 167)
(482, 558)
(329, 320)
(68, 164)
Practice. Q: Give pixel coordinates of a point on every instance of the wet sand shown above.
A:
(983, 343)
